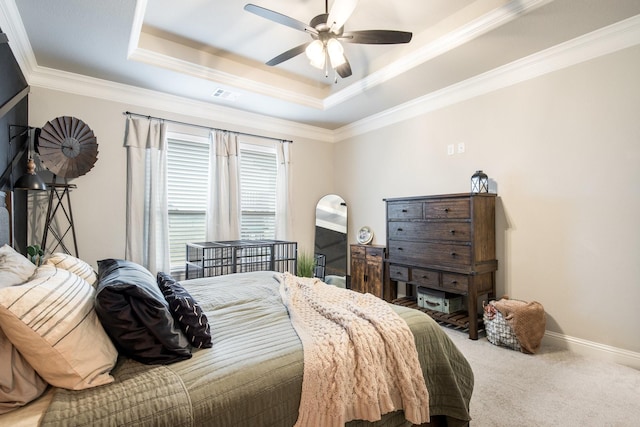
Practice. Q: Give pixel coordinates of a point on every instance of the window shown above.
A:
(187, 183)
(187, 186)
(258, 168)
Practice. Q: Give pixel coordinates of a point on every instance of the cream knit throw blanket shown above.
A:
(360, 358)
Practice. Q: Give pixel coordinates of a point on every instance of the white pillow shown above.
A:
(14, 267)
(74, 265)
(52, 322)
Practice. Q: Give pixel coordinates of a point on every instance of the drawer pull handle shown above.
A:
(453, 254)
(400, 249)
(454, 282)
(446, 210)
(432, 304)
(452, 231)
(404, 210)
(424, 276)
(400, 229)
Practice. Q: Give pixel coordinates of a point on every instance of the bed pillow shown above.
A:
(14, 267)
(135, 314)
(186, 311)
(74, 265)
(52, 323)
(19, 382)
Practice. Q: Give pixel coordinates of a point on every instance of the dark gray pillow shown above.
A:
(186, 311)
(136, 315)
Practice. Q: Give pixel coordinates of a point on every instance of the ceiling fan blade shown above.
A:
(288, 54)
(340, 12)
(376, 37)
(344, 70)
(280, 18)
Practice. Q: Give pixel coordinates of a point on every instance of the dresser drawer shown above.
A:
(397, 272)
(423, 277)
(455, 282)
(447, 209)
(431, 253)
(358, 251)
(407, 210)
(455, 231)
(374, 254)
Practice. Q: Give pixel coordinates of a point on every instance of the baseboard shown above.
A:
(593, 349)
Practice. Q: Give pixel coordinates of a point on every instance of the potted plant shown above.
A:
(306, 264)
(35, 254)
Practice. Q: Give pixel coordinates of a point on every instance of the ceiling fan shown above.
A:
(327, 31)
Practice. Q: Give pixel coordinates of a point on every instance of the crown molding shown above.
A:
(137, 97)
(290, 91)
(142, 48)
(11, 24)
(612, 38)
(475, 28)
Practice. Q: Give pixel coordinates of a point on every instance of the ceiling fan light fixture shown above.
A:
(325, 51)
(315, 53)
(336, 53)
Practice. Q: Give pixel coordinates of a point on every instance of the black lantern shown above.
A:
(479, 182)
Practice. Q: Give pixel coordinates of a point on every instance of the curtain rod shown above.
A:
(129, 113)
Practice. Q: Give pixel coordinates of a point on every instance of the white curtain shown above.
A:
(223, 211)
(147, 240)
(283, 188)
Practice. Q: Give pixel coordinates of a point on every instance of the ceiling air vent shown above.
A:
(225, 94)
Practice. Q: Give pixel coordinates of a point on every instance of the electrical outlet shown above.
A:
(450, 150)
(460, 147)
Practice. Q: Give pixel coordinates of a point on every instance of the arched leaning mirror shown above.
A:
(331, 240)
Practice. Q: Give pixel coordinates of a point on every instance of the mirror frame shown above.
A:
(331, 245)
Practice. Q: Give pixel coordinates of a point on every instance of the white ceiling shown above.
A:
(192, 48)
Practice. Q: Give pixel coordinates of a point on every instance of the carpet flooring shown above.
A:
(554, 387)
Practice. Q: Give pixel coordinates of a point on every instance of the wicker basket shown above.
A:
(498, 330)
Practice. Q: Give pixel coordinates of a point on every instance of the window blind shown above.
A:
(187, 187)
(258, 169)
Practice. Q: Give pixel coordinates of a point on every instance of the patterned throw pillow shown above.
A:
(52, 322)
(74, 265)
(186, 311)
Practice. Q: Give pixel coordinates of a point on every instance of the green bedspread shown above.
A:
(253, 374)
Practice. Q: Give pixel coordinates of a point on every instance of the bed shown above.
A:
(250, 376)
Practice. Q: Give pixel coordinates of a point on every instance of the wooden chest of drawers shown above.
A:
(444, 242)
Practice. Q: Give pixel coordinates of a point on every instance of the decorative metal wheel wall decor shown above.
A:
(67, 147)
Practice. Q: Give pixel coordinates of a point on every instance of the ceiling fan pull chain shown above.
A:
(326, 63)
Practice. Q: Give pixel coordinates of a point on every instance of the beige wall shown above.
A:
(564, 152)
(99, 201)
